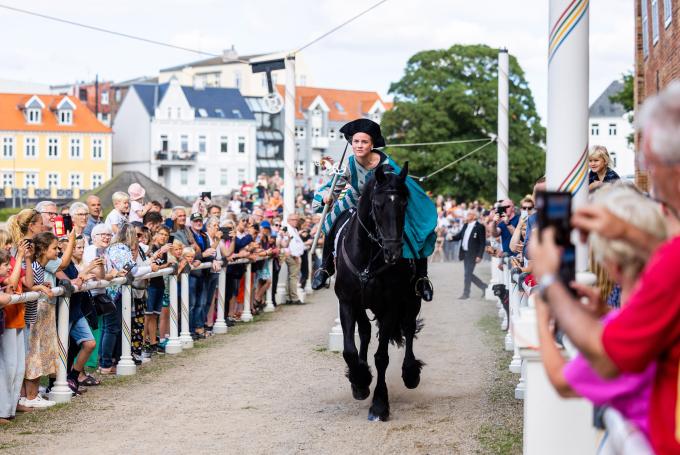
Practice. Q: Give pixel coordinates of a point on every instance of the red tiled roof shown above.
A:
(12, 116)
(344, 105)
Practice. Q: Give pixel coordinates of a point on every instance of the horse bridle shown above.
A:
(380, 238)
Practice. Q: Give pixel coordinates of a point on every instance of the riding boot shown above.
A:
(424, 287)
(327, 267)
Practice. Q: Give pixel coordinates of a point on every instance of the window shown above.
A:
(75, 180)
(339, 107)
(655, 21)
(612, 155)
(30, 179)
(105, 98)
(179, 112)
(331, 135)
(645, 29)
(201, 176)
(97, 149)
(595, 129)
(241, 144)
(33, 115)
(164, 142)
(316, 132)
(97, 180)
(8, 179)
(53, 180)
(8, 147)
(303, 80)
(237, 79)
(241, 174)
(183, 176)
(184, 143)
(169, 112)
(224, 178)
(53, 147)
(31, 147)
(65, 117)
(201, 144)
(612, 129)
(300, 132)
(118, 96)
(75, 148)
(667, 12)
(224, 144)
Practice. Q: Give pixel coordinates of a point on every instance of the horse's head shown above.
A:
(388, 206)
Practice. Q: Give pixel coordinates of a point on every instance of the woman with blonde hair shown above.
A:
(601, 172)
(629, 393)
(24, 225)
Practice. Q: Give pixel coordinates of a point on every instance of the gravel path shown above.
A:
(273, 388)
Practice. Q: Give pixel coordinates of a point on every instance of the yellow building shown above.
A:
(51, 147)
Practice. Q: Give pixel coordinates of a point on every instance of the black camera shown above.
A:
(226, 232)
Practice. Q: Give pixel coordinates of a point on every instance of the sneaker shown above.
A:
(157, 349)
(38, 402)
(146, 353)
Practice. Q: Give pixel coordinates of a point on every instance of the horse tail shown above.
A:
(396, 336)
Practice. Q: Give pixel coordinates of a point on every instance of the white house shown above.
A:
(610, 127)
(187, 139)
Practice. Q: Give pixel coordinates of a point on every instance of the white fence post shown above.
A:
(247, 316)
(220, 324)
(60, 392)
(270, 304)
(174, 345)
(126, 366)
(185, 334)
(282, 285)
(336, 342)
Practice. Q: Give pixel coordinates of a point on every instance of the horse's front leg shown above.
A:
(410, 369)
(358, 371)
(364, 326)
(380, 408)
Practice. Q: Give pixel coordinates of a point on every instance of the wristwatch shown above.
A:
(544, 283)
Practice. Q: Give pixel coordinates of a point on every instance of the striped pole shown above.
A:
(185, 335)
(568, 71)
(174, 346)
(126, 366)
(502, 182)
(60, 392)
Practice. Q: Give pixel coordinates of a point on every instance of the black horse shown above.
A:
(371, 274)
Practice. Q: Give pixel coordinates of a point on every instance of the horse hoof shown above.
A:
(377, 418)
(412, 383)
(360, 393)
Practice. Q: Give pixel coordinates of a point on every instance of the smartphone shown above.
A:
(206, 195)
(68, 223)
(500, 209)
(129, 266)
(553, 209)
(171, 239)
(59, 229)
(226, 232)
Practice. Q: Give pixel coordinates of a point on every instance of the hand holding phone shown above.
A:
(553, 209)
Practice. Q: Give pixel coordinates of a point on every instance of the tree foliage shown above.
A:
(451, 94)
(625, 97)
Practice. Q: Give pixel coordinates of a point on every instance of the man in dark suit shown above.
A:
(473, 240)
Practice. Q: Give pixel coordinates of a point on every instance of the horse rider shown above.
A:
(421, 214)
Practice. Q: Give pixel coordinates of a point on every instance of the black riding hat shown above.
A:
(364, 125)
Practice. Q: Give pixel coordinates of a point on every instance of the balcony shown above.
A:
(320, 142)
(175, 157)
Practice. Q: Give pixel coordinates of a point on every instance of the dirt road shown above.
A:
(273, 388)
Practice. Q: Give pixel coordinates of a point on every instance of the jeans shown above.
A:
(111, 332)
(209, 287)
(195, 306)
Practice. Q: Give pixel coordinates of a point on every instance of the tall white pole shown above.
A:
(289, 151)
(126, 366)
(185, 334)
(270, 304)
(174, 345)
(502, 183)
(60, 391)
(221, 324)
(568, 72)
(247, 316)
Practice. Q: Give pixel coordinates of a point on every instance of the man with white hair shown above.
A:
(48, 210)
(648, 329)
(120, 212)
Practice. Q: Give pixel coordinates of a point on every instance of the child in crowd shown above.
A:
(158, 253)
(137, 207)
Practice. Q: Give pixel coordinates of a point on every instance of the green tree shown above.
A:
(451, 94)
(625, 97)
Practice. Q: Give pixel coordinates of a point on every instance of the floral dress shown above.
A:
(43, 347)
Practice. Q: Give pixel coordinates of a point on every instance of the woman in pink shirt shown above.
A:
(629, 393)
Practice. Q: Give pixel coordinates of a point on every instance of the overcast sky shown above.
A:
(367, 54)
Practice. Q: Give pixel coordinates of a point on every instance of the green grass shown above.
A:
(502, 434)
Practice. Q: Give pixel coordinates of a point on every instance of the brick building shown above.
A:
(657, 52)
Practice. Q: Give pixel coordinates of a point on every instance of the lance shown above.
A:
(327, 206)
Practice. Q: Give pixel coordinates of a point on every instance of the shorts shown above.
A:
(80, 331)
(154, 300)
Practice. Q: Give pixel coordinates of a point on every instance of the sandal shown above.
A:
(89, 381)
(107, 371)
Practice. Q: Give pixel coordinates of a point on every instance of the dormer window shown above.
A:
(65, 117)
(33, 116)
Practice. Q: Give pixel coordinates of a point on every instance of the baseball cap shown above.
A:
(265, 225)
(196, 216)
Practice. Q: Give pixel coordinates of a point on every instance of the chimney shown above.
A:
(229, 55)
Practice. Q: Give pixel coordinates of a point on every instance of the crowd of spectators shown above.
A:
(135, 238)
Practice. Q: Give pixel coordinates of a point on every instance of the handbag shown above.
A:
(103, 304)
